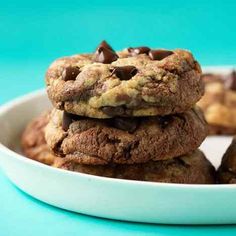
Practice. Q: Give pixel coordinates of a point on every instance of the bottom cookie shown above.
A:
(226, 173)
(193, 168)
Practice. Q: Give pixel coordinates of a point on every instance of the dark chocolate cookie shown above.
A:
(125, 140)
(192, 168)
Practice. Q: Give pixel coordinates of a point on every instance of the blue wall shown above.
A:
(33, 33)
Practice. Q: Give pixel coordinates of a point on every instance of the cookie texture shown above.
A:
(226, 174)
(219, 103)
(124, 140)
(192, 168)
(33, 141)
(132, 82)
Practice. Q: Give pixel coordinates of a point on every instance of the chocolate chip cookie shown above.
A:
(219, 102)
(226, 173)
(125, 140)
(192, 168)
(133, 82)
(33, 141)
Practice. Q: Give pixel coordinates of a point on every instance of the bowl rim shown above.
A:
(37, 93)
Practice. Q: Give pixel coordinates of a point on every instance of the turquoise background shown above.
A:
(33, 33)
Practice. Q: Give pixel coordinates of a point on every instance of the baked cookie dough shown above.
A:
(124, 140)
(192, 168)
(219, 103)
(133, 82)
(226, 173)
(33, 141)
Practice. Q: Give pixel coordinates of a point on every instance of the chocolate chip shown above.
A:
(230, 81)
(159, 54)
(70, 73)
(164, 121)
(106, 56)
(105, 53)
(67, 119)
(138, 50)
(113, 111)
(104, 44)
(125, 72)
(126, 124)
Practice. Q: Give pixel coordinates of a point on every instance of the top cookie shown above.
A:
(133, 82)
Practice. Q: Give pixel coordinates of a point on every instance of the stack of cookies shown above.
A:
(128, 114)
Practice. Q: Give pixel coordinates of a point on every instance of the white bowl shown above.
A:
(111, 198)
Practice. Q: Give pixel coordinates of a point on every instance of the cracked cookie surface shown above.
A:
(125, 140)
(133, 82)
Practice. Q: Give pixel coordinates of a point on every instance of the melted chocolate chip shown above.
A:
(70, 73)
(104, 44)
(67, 119)
(138, 50)
(125, 72)
(126, 124)
(159, 54)
(230, 82)
(105, 53)
(113, 111)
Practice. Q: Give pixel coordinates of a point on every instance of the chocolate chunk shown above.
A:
(159, 54)
(126, 124)
(70, 73)
(139, 50)
(113, 111)
(67, 119)
(105, 53)
(125, 72)
(230, 81)
(104, 44)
